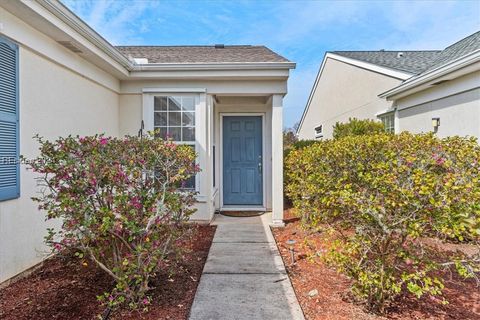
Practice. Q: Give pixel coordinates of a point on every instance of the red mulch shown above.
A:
(64, 289)
(334, 300)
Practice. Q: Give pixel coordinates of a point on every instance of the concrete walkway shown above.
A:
(244, 277)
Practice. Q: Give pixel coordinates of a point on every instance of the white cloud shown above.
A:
(119, 22)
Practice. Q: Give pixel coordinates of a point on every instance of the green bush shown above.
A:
(297, 145)
(355, 127)
(379, 196)
(121, 205)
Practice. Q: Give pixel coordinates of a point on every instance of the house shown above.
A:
(403, 89)
(59, 77)
(444, 98)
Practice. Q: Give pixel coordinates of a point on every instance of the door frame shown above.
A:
(235, 207)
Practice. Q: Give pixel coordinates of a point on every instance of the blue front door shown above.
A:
(242, 160)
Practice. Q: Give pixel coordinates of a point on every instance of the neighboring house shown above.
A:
(359, 84)
(59, 77)
(445, 98)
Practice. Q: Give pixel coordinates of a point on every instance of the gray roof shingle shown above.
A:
(457, 50)
(413, 62)
(202, 54)
(417, 62)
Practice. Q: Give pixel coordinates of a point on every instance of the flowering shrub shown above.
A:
(355, 127)
(297, 145)
(379, 196)
(120, 203)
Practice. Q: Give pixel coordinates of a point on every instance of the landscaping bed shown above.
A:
(63, 288)
(332, 299)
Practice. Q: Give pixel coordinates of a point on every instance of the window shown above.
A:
(174, 117)
(319, 131)
(388, 121)
(9, 165)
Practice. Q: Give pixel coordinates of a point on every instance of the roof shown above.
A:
(454, 57)
(413, 62)
(457, 50)
(202, 54)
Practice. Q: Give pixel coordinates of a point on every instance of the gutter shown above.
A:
(214, 66)
(432, 75)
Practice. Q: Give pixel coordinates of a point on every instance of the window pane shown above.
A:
(189, 183)
(389, 122)
(188, 119)
(175, 133)
(161, 133)
(174, 118)
(188, 134)
(174, 104)
(160, 103)
(160, 119)
(188, 103)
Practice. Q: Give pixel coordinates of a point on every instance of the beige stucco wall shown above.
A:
(130, 113)
(456, 103)
(459, 115)
(54, 101)
(345, 91)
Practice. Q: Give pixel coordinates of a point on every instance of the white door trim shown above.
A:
(242, 207)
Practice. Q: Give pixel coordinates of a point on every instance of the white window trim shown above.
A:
(174, 91)
(390, 113)
(149, 115)
(318, 135)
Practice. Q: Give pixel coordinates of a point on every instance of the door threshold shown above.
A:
(245, 208)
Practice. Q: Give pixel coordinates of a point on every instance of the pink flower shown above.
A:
(135, 203)
(438, 159)
(103, 141)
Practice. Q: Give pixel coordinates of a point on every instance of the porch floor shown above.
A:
(244, 276)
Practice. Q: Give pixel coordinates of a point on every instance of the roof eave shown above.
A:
(410, 85)
(395, 73)
(73, 21)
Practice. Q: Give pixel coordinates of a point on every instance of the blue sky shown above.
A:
(299, 30)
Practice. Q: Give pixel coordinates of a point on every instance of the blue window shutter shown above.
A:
(9, 126)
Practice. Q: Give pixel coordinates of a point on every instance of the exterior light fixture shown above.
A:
(435, 124)
(290, 244)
